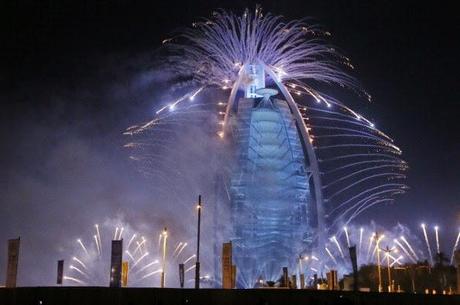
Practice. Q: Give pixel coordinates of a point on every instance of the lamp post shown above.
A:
(388, 251)
(165, 237)
(197, 264)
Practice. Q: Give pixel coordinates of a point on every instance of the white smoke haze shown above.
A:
(74, 172)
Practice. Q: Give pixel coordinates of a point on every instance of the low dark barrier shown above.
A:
(169, 296)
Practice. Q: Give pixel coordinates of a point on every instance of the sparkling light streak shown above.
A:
(188, 259)
(347, 237)
(82, 245)
(97, 245)
(410, 247)
(427, 242)
(74, 280)
(140, 259)
(454, 248)
(78, 270)
(190, 268)
(405, 250)
(330, 255)
(152, 273)
(131, 240)
(98, 234)
(79, 261)
(334, 239)
(181, 249)
(436, 231)
(130, 256)
(147, 266)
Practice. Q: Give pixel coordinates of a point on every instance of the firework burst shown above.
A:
(357, 165)
(90, 263)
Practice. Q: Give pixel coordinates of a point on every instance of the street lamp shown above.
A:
(301, 274)
(165, 237)
(197, 264)
(388, 251)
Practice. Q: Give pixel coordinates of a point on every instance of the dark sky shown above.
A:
(75, 74)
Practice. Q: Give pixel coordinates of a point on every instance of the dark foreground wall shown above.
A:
(157, 296)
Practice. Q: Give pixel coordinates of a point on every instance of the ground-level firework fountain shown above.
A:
(407, 245)
(394, 249)
(90, 261)
(293, 164)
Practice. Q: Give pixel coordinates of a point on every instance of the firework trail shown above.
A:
(121, 233)
(152, 273)
(190, 268)
(139, 245)
(188, 259)
(330, 255)
(96, 241)
(82, 246)
(72, 279)
(436, 231)
(371, 239)
(347, 237)
(396, 260)
(147, 266)
(336, 242)
(427, 242)
(79, 261)
(377, 244)
(454, 248)
(410, 247)
(405, 250)
(131, 240)
(140, 259)
(130, 256)
(181, 249)
(98, 236)
(361, 232)
(177, 248)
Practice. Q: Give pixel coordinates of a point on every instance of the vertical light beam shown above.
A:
(336, 242)
(454, 248)
(347, 236)
(427, 243)
(99, 238)
(436, 232)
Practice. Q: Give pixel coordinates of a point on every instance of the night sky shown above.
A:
(74, 75)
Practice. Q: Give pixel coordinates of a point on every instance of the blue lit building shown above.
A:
(270, 199)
